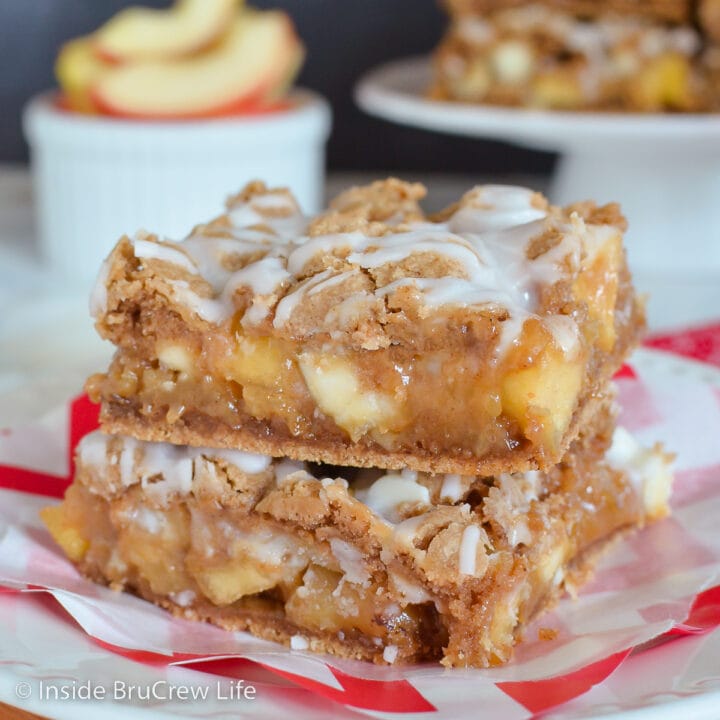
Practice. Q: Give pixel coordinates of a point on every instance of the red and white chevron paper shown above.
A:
(646, 630)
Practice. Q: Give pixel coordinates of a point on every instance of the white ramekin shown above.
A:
(97, 178)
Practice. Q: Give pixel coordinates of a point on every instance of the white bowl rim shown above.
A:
(307, 109)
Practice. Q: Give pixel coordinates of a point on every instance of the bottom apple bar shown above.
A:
(388, 567)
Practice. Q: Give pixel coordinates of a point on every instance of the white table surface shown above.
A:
(48, 345)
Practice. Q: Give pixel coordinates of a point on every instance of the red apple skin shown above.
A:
(106, 56)
(261, 99)
(242, 108)
(239, 106)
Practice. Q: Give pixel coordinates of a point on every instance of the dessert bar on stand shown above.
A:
(626, 91)
(619, 55)
(369, 432)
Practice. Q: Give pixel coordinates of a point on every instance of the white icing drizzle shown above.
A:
(496, 207)
(276, 211)
(263, 277)
(612, 48)
(161, 468)
(214, 311)
(519, 533)
(127, 461)
(404, 532)
(438, 292)
(306, 248)
(511, 333)
(150, 520)
(390, 653)
(452, 488)
(286, 306)
(390, 491)
(374, 252)
(565, 332)
(285, 468)
(529, 485)
(594, 38)
(299, 642)
(92, 450)
(484, 243)
(468, 550)
(184, 598)
(170, 253)
(209, 254)
(250, 463)
(267, 546)
(515, 493)
(171, 464)
(351, 562)
(411, 591)
(350, 310)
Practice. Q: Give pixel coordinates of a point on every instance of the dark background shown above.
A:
(344, 38)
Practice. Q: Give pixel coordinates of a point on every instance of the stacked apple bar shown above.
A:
(636, 55)
(372, 432)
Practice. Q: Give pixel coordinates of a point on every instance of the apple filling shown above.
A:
(200, 557)
(383, 397)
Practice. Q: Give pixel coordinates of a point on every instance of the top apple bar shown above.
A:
(476, 341)
(672, 11)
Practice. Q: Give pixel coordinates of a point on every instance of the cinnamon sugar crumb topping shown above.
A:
(369, 264)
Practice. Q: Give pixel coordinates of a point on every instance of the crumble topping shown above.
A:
(370, 259)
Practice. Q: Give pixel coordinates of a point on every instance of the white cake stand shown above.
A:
(663, 169)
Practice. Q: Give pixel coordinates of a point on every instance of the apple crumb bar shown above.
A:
(476, 341)
(580, 54)
(369, 564)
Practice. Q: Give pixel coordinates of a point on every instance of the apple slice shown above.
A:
(257, 55)
(77, 69)
(188, 27)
